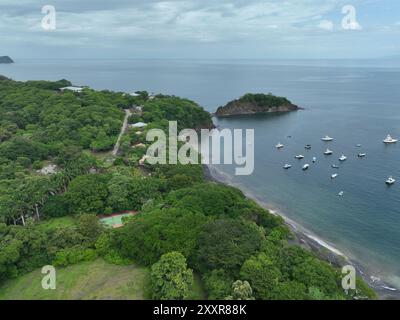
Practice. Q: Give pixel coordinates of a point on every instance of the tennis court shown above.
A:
(115, 220)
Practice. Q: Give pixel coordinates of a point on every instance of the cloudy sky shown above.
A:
(202, 29)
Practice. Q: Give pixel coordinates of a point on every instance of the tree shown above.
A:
(150, 235)
(241, 290)
(88, 194)
(170, 278)
(262, 274)
(90, 227)
(226, 244)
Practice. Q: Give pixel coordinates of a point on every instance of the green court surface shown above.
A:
(115, 221)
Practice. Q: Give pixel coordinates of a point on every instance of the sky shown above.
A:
(201, 29)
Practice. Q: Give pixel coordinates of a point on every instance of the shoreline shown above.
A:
(307, 240)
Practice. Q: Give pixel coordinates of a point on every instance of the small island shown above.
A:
(255, 104)
(6, 59)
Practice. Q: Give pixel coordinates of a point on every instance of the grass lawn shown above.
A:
(56, 222)
(85, 281)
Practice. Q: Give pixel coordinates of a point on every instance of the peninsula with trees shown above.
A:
(255, 104)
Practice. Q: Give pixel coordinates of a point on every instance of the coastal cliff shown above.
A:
(6, 59)
(256, 103)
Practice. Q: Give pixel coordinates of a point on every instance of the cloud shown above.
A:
(155, 26)
(326, 25)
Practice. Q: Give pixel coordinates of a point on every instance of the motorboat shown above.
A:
(358, 145)
(279, 146)
(335, 175)
(327, 139)
(300, 156)
(287, 166)
(308, 146)
(335, 166)
(328, 152)
(341, 193)
(390, 181)
(314, 159)
(343, 158)
(389, 139)
(361, 155)
(305, 167)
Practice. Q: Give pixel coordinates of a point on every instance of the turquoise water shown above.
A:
(354, 105)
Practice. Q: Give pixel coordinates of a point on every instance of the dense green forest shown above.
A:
(185, 226)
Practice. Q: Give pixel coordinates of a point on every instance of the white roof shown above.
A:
(76, 89)
(139, 125)
(134, 94)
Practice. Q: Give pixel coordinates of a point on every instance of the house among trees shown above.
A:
(71, 88)
(139, 125)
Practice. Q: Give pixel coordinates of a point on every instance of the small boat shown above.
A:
(287, 166)
(328, 152)
(343, 158)
(305, 167)
(314, 159)
(308, 146)
(389, 139)
(335, 175)
(358, 145)
(279, 146)
(300, 156)
(390, 181)
(335, 166)
(327, 139)
(361, 155)
(341, 193)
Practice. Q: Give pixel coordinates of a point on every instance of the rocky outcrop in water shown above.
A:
(255, 104)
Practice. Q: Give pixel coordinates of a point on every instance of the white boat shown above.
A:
(327, 139)
(328, 152)
(335, 166)
(361, 155)
(300, 156)
(343, 158)
(341, 193)
(314, 159)
(279, 146)
(358, 145)
(287, 166)
(390, 181)
(389, 139)
(305, 167)
(335, 175)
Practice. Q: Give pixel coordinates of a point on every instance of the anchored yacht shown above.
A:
(287, 166)
(300, 156)
(390, 181)
(361, 155)
(389, 139)
(314, 159)
(334, 176)
(327, 139)
(279, 146)
(343, 158)
(305, 167)
(328, 152)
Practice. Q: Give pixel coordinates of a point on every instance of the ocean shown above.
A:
(355, 102)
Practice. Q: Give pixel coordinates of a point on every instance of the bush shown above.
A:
(73, 255)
